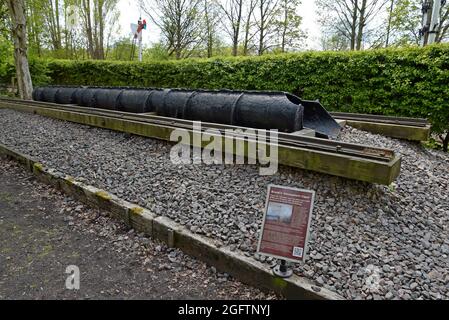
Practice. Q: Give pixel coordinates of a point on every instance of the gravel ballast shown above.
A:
(367, 241)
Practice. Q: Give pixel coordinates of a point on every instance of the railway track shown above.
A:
(349, 160)
(415, 129)
(417, 122)
(283, 138)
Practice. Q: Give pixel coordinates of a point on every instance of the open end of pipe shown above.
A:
(293, 99)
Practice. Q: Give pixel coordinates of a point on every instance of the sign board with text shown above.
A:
(286, 223)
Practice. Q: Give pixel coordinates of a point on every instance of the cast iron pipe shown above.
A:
(262, 110)
(255, 109)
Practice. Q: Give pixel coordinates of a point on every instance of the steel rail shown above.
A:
(417, 122)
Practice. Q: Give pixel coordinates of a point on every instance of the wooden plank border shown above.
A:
(412, 133)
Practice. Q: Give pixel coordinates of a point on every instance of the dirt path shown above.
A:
(42, 232)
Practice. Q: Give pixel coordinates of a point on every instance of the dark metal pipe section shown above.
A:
(106, 98)
(254, 109)
(49, 94)
(270, 110)
(86, 98)
(37, 93)
(66, 96)
(137, 100)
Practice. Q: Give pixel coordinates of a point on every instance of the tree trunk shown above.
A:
(178, 40)
(209, 31)
(235, 40)
(246, 41)
(235, 44)
(52, 13)
(58, 25)
(95, 29)
(88, 27)
(444, 27)
(355, 13)
(261, 29)
(284, 27)
(101, 30)
(33, 31)
(389, 23)
(66, 35)
(18, 19)
(361, 25)
(251, 7)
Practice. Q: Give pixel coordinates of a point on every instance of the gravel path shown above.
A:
(367, 241)
(42, 232)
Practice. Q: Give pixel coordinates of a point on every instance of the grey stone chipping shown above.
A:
(367, 241)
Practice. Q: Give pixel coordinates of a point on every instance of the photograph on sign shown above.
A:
(286, 223)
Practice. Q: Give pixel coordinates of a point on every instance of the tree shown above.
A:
(211, 20)
(443, 31)
(96, 15)
(233, 11)
(334, 42)
(156, 52)
(180, 24)
(251, 5)
(6, 46)
(36, 26)
(288, 25)
(53, 22)
(404, 22)
(72, 29)
(390, 12)
(19, 35)
(354, 19)
(5, 26)
(266, 10)
(404, 19)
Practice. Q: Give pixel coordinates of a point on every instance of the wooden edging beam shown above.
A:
(337, 164)
(245, 269)
(413, 133)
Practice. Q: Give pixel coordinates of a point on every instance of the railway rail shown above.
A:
(360, 162)
(418, 122)
(415, 129)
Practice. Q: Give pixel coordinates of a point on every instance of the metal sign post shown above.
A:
(430, 20)
(140, 47)
(136, 30)
(434, 21)
(286, 226)
(282, 270)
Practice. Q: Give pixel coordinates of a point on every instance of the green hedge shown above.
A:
(405, 82)
(38, 68)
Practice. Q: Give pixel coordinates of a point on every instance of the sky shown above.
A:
(129, 13)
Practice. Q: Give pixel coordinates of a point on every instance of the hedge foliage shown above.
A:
(38, 68)
(410, 82)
